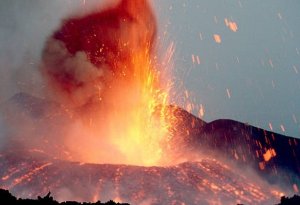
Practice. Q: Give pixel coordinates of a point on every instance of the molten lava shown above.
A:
(103, 65)
(204, 182)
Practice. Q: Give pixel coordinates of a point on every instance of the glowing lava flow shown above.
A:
(205, 182)
(103, 65)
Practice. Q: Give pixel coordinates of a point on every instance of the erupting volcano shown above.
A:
(103, 64)
(111, 132)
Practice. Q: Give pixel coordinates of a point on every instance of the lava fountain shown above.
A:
(103, 65)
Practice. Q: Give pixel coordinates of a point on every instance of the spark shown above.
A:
(201, 111)
(295, 69)
(217, 66)
(271, 63)
(217, 38)
(195, 59)
(231, 25)
(200, 35)
(282, 128)
(295, 187)
(270, 153)
(228, 93)
(273, 83)
(295, 119)
(198, 60)
(215, 19)
(261, 165)
(189, 107)
(240, 4)
(270, 126)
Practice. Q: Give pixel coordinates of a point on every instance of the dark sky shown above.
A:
(251, 74)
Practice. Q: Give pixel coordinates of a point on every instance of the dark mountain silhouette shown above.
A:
(7, 198)
(248, 145)
(295, 200)
(242, 143)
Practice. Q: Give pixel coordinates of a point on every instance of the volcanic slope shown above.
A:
(227, 147)
(201, 182)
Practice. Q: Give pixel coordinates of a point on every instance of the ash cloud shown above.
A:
(74, 74)
(25, 27)
(86, 54)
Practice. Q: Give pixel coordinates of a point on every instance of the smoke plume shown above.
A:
(87, 53)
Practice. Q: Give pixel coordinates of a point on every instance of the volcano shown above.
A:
(106, 127)
(234, 166)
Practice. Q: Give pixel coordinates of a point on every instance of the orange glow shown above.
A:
(129, 130)
(231, 25)
(270, 153)
(5, 177)
(118, 200)
(201, 111)
(261, 165)
(142, 132)
(277, 193)
(117, 90)
(217, 38)
(30, 174)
